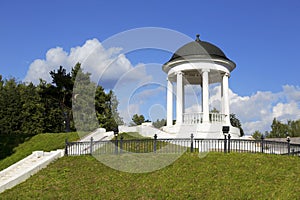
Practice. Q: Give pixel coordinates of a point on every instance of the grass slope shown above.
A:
(216, 176)
(44, 142)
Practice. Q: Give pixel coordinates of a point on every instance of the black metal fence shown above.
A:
(180, 145)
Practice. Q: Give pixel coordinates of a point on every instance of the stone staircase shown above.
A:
(26, 167)
(30, 165)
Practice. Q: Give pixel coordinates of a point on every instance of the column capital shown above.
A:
(225, 74)
(179, 72)
(204, 70)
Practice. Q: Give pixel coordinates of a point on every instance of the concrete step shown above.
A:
(26, 167)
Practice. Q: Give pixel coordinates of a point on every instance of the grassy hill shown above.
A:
(45, 142)
(217, 176)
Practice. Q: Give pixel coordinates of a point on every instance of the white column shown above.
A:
(169, 103)
(179, 98)
(205, 96)
(222, 99)
(225, 103)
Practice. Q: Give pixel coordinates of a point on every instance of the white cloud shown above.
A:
(286, 111)
(109, 67)
(257, 111)
(104, 64)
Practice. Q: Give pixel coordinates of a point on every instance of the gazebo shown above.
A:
(198, 63)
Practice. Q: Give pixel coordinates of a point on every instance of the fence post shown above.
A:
(91, 145)
(289, 145)
(192, 142)
(229, 136)
(262, 144)
(225, 143)
(154, 144)
(66, 147)
(121, 144)
(116, 144)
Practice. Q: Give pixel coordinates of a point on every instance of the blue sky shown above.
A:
(261, 37)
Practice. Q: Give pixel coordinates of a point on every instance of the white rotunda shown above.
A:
(198, 63)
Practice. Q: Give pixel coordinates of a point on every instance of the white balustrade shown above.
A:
(197, 118)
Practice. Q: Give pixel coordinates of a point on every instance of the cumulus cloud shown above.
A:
(108, 67)
(105, 65)
(257, 111)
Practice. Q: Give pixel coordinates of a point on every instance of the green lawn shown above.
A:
(44, 142)
(216, 176)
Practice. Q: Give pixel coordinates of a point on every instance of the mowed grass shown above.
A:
(216, 176)
(43, 142)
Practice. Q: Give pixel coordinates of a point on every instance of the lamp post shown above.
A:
(262, 143)
(116, 132)
(289, 144)
(225, 130)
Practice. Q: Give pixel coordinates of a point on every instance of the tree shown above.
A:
(19, 116)
(53, 118)
(257, 135)
(138, 119)
(235, 122)
(89, 97)
(214, 110)
(32, 110)
(294, 128)
(278, 129)
(281, 130)
(84, 102)
(159, 123)
(106, 107)
(63, 87)
(10, 108)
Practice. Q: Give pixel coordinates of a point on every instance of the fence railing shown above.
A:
(180, 145)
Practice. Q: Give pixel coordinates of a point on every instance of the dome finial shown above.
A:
(198, 38)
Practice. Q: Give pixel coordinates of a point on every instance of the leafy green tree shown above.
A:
(114, 103)
(214, 110)
(278, 129)
(13, 131)
(26, 109)
(281, 130)
(63, 85)
(96, 99)
(106, 107)
(160, 123)
(53, 117)
(138, 119)
(235, 122)
(10, 115)
(32, 110)
(84, 104)
(294, 128)
(257, 135)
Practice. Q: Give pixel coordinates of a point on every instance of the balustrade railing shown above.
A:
(192, 118)
(197, 118)
(217, 117)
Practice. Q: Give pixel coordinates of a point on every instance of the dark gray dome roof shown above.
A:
(198, 48)
(198, 51)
